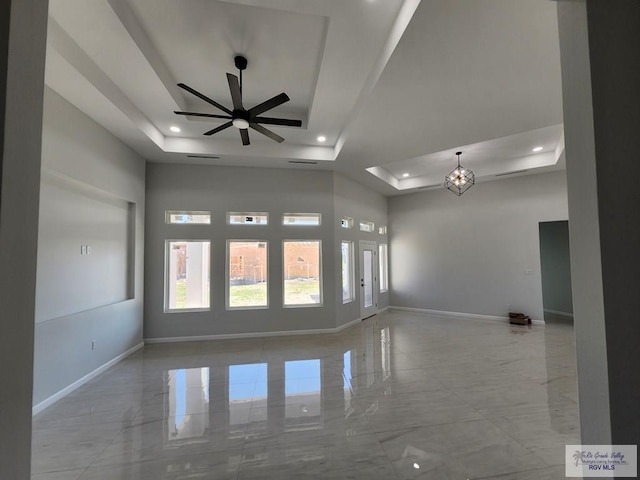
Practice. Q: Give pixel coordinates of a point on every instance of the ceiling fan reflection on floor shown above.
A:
(240, 117)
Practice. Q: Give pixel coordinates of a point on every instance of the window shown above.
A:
(384, 268)
(187, 275)
(247, 218)
(301, 219)
(247, 274)
(346, 222)
(302, 273)
(187, 217)
(367, 226)
(347, 272)
(382, 229)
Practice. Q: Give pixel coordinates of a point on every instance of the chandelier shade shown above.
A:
(460, 179)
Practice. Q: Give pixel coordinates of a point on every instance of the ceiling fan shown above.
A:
(240, 117)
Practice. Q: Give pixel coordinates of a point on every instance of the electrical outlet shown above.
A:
(93, 344)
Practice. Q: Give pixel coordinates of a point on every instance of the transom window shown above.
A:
(186, 217)
(367, 226)
(247, 218)
(346, 222)
(302, 219)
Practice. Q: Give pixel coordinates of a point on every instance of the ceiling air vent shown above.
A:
(303, 162)
(510, 173)
(203, 156)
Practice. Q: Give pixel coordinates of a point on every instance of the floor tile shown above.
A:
(398, 396)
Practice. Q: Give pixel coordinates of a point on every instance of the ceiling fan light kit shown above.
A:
(460, 179)
(240, 117)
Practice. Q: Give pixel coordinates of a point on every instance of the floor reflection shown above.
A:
(253, 403)
(397, 396)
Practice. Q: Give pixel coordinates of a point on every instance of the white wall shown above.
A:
(90, 181)
(362, 204)
(477, 253)
(228, 189)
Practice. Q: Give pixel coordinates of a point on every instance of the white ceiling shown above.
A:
(396, 86)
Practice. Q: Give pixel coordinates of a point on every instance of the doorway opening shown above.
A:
(555, 270)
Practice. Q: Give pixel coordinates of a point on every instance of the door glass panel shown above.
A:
(368, 278)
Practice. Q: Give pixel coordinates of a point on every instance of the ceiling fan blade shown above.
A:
(236, 94)
(244, 134)
(269, 104)
(205, 98)
(217, 129)
(266, 132)
(277, 121)
(208, 115)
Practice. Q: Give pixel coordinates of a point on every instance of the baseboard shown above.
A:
(78, 383)
(383, 309)
(556, 312)
(468, 316)
(232, 336)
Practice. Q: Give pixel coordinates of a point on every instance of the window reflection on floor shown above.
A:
(188, 405)
(247, 403)
(303, 392)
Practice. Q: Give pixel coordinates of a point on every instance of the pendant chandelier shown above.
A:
(460, 179)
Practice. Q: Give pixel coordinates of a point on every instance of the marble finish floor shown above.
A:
(398, 396)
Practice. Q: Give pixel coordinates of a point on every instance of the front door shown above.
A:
(368, 279)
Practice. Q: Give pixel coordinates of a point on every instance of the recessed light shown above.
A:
(405, 175)
(322, 138)
(416, 466)
(537, 149)
(174, 129)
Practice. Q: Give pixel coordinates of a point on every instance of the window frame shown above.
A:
(227, 290)
(383, 270)
(352, 276)
(167, 245)
(320, 274)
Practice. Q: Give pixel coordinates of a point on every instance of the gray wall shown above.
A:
(601, 100)
(555, 267)
(615, 76)
(360, 203)
(23, 26)
(89, 180)
(224, 189)
(477, 253)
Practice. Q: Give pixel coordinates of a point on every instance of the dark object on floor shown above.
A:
(519, 318)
